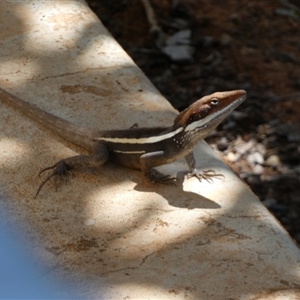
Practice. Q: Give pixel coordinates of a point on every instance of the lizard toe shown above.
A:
(207, 175)
(59, 171)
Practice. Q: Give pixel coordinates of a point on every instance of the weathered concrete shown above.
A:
(108, 233)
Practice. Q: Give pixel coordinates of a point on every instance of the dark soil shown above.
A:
(252, 45)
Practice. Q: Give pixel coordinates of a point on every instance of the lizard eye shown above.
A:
(214, 101)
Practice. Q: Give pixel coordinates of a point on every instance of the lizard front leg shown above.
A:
(206, 175)
(65, 166)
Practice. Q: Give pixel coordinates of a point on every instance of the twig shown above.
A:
(151, 16)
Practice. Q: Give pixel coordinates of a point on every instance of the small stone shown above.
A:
(247, 51)
(255, 158)
(229, 124)
(238, 115)
(232, 156)
(283, 129)
(269, 177)
(225, 39)
(244, 147)
(273, 161)
(269, 202)
(284, 12)
(257, 169)
(178, 46)
(179, 52)
(234, 17)
(293, 136)
(270, 142)
(223, 144)
(208, 41)
(253, 180)
(265, 130)
(261, 148)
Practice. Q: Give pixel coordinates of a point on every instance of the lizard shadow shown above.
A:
(174, 193)
(177, 196)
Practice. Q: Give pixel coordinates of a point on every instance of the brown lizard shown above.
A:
(139, 148)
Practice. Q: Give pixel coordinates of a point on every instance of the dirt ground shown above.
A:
(202, 46)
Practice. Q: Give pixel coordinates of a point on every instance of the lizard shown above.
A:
(138, 148)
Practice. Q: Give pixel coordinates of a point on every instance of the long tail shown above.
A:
(80, 136)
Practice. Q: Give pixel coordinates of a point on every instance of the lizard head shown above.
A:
(210, 110)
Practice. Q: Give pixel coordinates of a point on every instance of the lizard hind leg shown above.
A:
(63, 168)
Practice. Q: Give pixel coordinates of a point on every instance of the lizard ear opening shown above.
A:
(193, 117)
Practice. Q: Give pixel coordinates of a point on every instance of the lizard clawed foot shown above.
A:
(156, 177)
(60, 171)
(207, 175)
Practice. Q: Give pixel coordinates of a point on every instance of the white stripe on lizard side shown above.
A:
(143, 140)
(129, 152)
